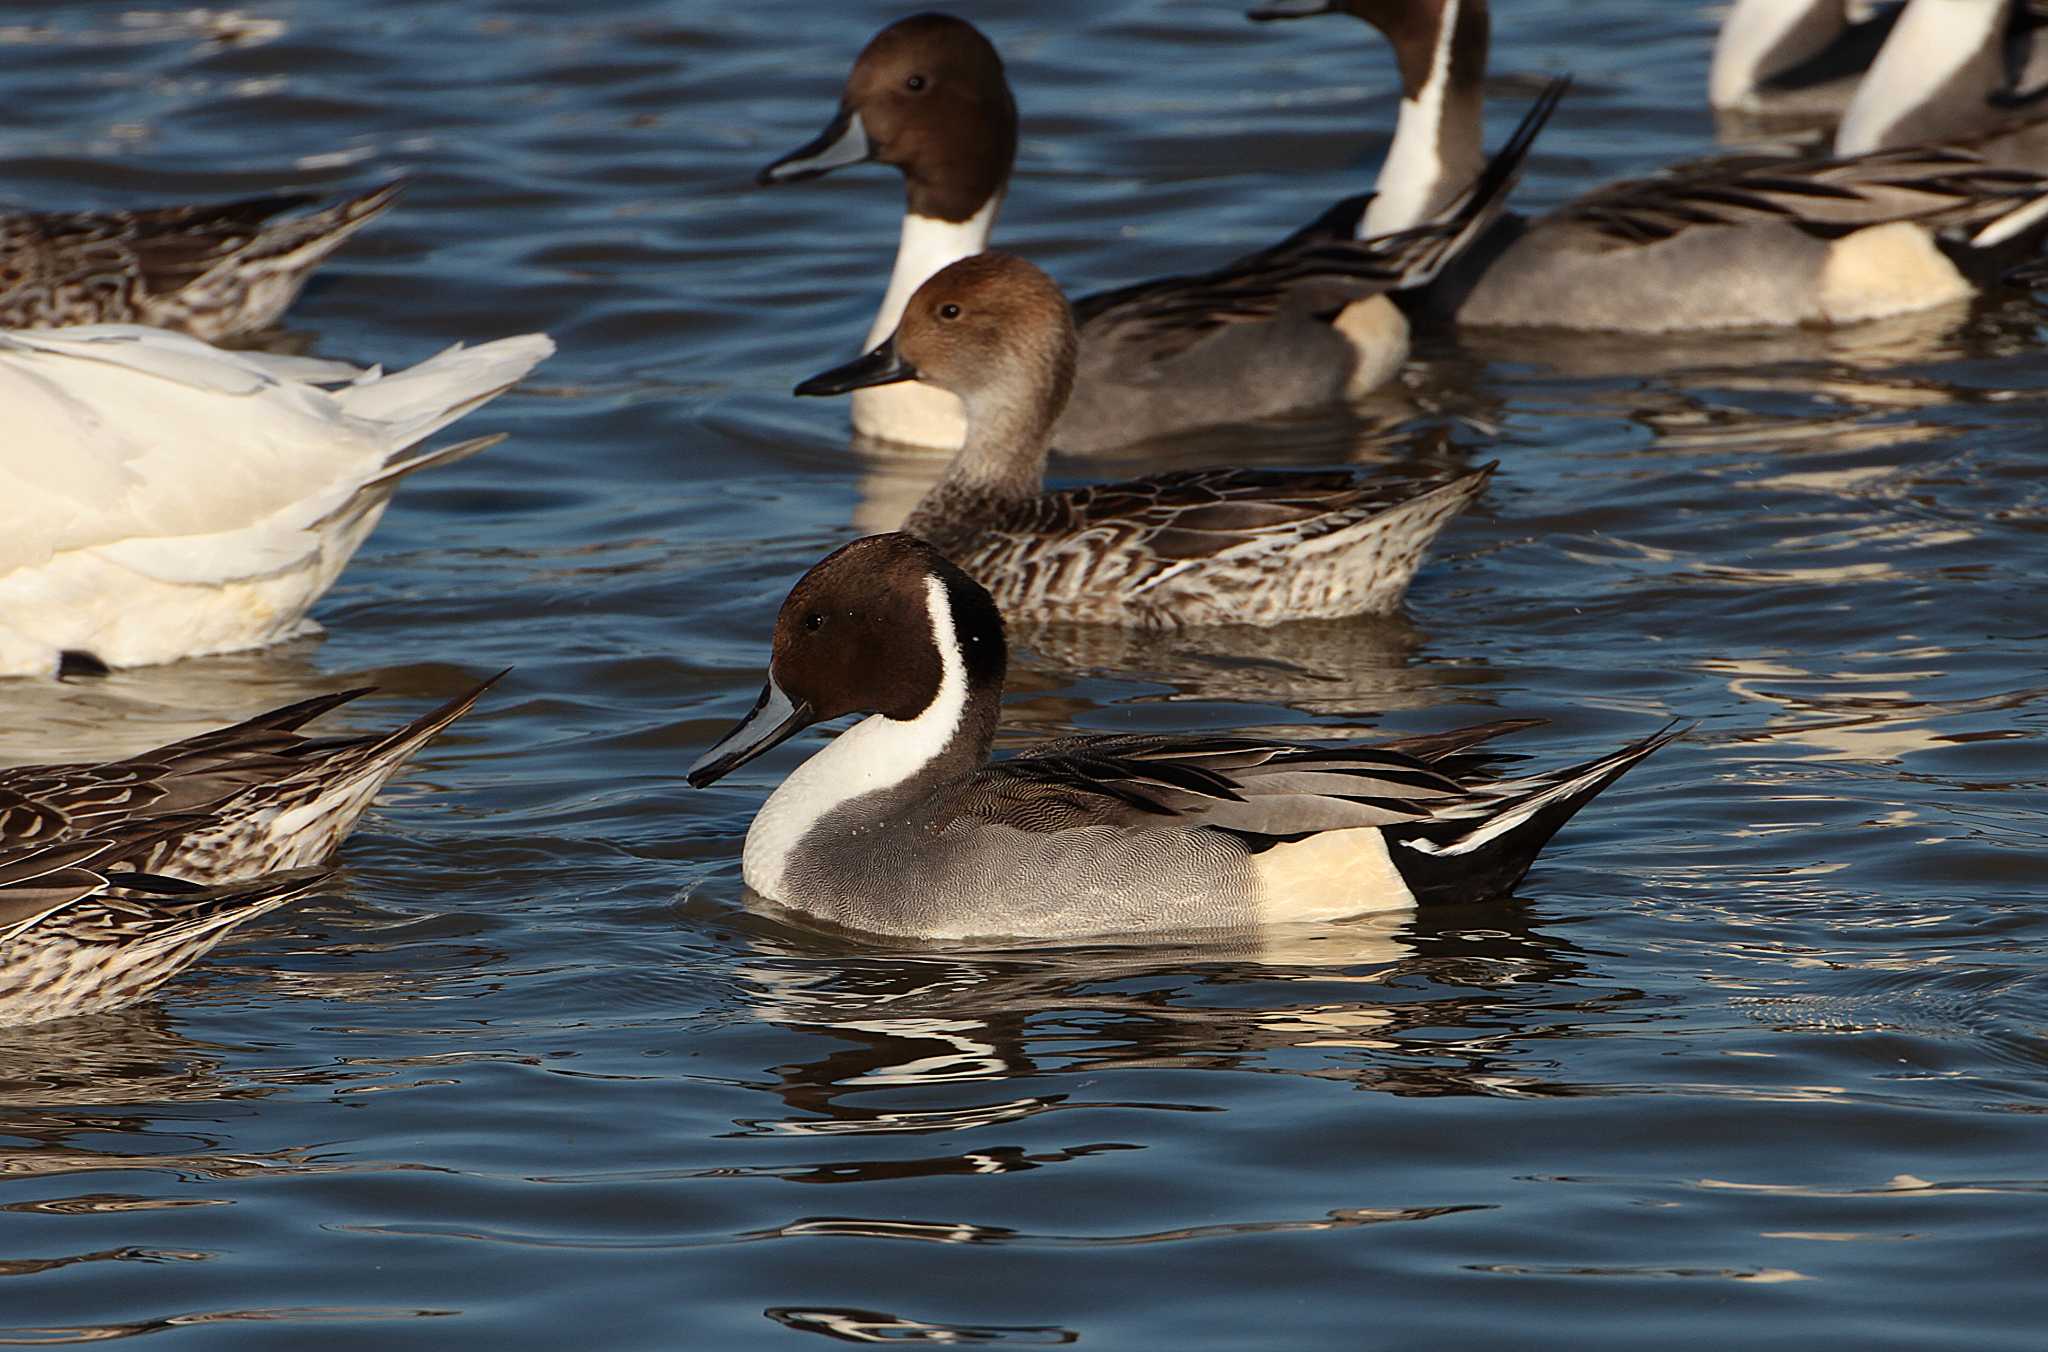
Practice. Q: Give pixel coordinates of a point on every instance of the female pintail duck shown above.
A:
(1217, 546)
(215, 271)
(244, 800)
(1968, 72)
(1795, 58)
(1303, 324)
(1728, 244)
(901, 826)
(80, 936)
(169, 499)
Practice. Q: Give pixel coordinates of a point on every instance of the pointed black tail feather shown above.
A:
(1483, 857)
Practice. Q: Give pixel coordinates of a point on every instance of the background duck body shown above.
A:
(76, 938)
(175, 499)
(1200, 547)
(216, 271)
(1197, 547)
(1755, 242)
(236, 803)
(1302, 324)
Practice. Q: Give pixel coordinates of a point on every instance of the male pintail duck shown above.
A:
(1757, 242)
(1795, 58)
(1303, 324)
(1214, 546)
(79, 936)
(216, 271)
(245, 800)
(1966, 72)
(169, 499)
(901, 826)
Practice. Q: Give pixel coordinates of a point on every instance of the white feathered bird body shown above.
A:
(161, 498)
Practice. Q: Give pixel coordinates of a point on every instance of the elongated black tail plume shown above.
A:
(1483, 855)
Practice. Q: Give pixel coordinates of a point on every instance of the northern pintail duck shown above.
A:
(1725, 244)
(1795, 58)
(1967, 72)
(901, 826)
(169, 499)
(1303, 324)
(1213, 546)
(79, 936)
(249, 799)
(215, 271)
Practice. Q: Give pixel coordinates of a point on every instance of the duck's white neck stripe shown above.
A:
(928, 245)
(878, 752)
(1761, 38)
(1409, 179)
(1932, 43)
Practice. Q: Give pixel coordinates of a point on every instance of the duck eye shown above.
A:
(949, 311)
(814, 621)
(915, 84)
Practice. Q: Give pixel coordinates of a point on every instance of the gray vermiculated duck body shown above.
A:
(901, 826)
(77, 937)
(1198, 547)
(215, 271)
(244, 801)
(1302, 324)
(1735, 243)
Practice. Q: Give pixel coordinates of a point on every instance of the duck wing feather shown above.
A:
(1938, 185)
(1141, 782)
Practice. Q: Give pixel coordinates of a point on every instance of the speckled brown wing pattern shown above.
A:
(245, 800)
(213, 271)
(78, 937)
(1210, 546)
(40, 804)
(1935, 185)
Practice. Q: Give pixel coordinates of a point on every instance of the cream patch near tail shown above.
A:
(1887, 269)
(1328, 876)
(1378, 334)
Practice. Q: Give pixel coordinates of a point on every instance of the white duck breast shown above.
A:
(903, 827)
(169, 499)
(910, 414)
(873, 756)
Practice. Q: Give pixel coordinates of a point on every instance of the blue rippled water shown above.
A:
(1755, 1059)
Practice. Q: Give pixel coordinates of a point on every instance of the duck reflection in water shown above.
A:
(931, 1042)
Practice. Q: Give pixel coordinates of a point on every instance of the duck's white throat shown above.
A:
(1931, 45)
(929, 245)
(911, 413)
(878, 752)
(1762, 38)
(1411, 181)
